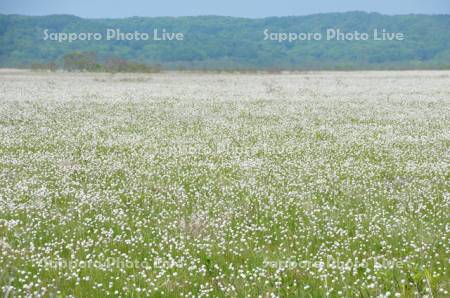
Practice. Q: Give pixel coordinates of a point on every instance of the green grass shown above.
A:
(225, 197)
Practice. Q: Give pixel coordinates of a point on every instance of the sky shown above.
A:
(239, 8)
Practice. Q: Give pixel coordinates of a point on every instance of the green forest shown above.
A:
(216, 42)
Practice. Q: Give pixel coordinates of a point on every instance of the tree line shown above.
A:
(226, 43)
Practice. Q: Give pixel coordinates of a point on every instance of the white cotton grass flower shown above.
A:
(205, 185)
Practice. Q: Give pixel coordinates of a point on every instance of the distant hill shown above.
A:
(215, 42)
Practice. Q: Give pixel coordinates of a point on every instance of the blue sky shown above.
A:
(241, 8)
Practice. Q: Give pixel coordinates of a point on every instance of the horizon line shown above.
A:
(228, 16)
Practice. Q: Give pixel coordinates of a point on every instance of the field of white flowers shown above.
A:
(241, 185)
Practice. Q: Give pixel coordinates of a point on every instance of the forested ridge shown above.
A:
(216, 42)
